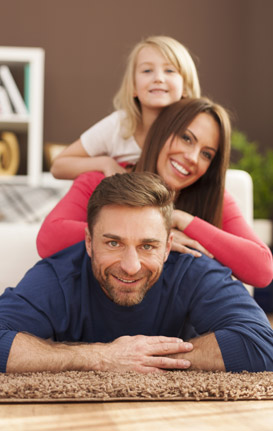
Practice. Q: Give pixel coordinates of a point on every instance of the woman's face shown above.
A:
(183, 160)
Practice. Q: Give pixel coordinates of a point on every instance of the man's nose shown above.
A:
(130, 262)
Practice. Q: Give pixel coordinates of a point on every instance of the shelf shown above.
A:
(15, 122)
(46, 180)
(31, 124)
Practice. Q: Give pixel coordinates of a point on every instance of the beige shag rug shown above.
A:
(109, 386)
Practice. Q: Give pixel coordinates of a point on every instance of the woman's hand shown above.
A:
(182, 242)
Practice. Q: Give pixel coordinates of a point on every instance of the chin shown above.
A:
(128, 302)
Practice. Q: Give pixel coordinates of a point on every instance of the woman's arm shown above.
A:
(65, 224)
(235, 245)
(181, 242)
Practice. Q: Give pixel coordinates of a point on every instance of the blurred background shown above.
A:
(86, 44)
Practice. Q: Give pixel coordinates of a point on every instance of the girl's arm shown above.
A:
(93, 151)
(65, 224)
(74, 160)
(235, 245)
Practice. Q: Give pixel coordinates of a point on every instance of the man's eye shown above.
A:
(147, 246)
(113, 244)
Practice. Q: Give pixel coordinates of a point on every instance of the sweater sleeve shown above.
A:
(25, 309)
(65, 224)
(219, 304)
(235, 245)
(6, 340)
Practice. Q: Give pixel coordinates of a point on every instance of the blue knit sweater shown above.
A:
(59, 298)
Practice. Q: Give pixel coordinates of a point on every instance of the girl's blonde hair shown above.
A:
(177, 54)
(204, 198)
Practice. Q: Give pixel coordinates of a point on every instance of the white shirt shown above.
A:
(105, 138)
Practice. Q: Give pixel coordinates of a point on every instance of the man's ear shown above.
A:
(168, 246)
(88, 242)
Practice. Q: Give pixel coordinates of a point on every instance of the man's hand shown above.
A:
(138, 353)
(144, 354)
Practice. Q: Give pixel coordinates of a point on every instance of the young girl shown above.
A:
(188, 146)
(159, 71)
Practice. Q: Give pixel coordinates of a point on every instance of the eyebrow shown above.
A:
(195, 138)
(168, 63)
(119, 238)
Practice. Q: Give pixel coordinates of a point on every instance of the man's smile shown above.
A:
(126, 281)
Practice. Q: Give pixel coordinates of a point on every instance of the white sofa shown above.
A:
(17, 251)
(240, 186)
(18, 246)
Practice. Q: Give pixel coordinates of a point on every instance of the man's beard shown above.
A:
(126, 296)
(120, 297)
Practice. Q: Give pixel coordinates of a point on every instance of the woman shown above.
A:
(188, 145)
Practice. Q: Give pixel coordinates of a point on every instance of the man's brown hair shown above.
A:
(134, 189)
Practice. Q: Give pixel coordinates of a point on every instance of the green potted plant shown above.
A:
(260, 167)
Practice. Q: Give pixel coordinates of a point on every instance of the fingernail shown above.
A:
(188, 346)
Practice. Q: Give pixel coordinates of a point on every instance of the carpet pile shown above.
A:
(109, 386)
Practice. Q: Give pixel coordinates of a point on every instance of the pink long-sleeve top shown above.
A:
(235, 245)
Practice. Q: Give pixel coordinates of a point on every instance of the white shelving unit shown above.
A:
(31, 124)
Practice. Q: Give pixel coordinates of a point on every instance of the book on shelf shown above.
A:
(27, 85)
(5, 105)
(12, 90)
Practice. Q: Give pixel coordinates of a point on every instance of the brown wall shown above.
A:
(86, 43)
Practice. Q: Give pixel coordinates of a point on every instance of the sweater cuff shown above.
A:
(201, 231)
(6, 340)
(233, 351)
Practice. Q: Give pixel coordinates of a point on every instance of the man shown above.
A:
(108, 305)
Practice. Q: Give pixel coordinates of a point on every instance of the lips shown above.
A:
(158, 90)
(180, 168)
(127, 281)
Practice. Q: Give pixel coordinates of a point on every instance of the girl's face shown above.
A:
(157, 82)
(183, 160)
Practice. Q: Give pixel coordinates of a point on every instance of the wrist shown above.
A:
(182, 219)
(87, 357)
(100, 163)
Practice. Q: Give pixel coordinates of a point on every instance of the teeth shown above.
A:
(158, 90)
(179, 168)
(126, 281)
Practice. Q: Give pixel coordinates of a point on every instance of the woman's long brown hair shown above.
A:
(205, 197)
